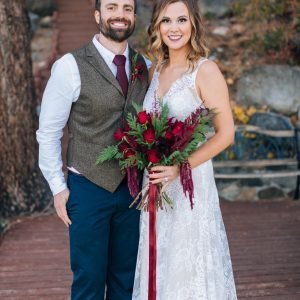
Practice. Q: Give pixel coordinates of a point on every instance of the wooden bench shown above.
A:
(293, 163)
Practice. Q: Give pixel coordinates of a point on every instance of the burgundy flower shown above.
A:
(169, 135)
(137, 71)
(149, 136)
(128, 153)
(119, 134)
(178, 127)
(123, 147)
(142, 117)
(131, 141)
(153, 156)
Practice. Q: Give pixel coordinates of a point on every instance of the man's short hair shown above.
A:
(98, 4)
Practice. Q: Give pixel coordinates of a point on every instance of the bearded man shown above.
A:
(91, 90)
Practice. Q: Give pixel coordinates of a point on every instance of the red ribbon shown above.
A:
(152, 242)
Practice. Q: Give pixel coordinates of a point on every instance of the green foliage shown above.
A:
(273, 40)
(136, 128)
(137, 108)
(129, 162)
(109, 153)
(160, 123)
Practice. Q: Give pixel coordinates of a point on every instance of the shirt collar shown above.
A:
(107, 54)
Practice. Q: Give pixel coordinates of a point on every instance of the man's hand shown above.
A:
(60, 201)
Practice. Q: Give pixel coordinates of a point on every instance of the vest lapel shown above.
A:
(99, 64)
(132, 84)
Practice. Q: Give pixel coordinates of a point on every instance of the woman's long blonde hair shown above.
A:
(159, 50)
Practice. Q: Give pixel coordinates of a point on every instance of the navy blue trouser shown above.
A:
(104, 239)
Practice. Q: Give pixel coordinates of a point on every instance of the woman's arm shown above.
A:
(213, 90)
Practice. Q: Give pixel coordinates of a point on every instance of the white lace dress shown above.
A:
(193, 259)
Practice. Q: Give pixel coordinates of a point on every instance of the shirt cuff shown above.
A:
(57, 185)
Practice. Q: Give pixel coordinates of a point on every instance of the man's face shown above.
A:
(116, 19)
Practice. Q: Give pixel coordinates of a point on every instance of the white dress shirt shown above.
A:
(63, 88)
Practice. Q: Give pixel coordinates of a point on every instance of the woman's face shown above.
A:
(175, 27)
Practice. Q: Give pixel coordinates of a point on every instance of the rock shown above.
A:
(41, 8)
(271, 121)
(218, 8)
(230, 192)
(270, 193)
(46, 22)
(220, 30)
(34, 22)
(247, 194)
(274, 85)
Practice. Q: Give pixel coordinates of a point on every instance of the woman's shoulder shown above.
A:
(208, 70)
(207, 66)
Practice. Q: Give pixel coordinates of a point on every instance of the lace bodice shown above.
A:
(182, 96)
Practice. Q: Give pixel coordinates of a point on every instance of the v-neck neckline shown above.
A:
(171, 85)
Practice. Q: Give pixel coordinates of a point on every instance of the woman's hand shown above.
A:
(163, 174)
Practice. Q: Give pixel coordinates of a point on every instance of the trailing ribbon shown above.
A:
(186, 180)
(152, 242)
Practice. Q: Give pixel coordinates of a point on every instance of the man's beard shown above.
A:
(117, 35)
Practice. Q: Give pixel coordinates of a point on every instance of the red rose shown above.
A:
(153, 156)
(178, 126)
(149, 136)
(169, 135)
(119, 134)
(142, 117)
(129, 153)
(123, 147)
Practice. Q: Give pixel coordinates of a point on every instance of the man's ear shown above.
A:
(97, 16)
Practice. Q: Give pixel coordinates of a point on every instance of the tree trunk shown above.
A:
(22, 188)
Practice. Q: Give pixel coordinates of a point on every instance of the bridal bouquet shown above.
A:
(149, 139)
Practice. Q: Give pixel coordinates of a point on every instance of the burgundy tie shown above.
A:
(120, 61)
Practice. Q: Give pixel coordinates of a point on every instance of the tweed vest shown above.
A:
(97, 113)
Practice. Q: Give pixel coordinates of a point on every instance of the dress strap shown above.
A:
(199, 63)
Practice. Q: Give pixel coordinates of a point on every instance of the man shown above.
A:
(91, 90)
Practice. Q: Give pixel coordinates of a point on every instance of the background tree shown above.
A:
(22, 188)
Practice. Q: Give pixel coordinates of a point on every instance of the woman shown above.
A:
(193, 260)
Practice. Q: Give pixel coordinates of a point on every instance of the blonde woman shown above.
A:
(193, 260)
